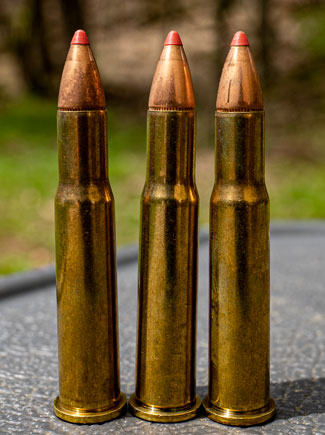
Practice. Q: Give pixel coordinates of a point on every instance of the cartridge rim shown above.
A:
(164, 415)
(89, 416)
(239, 418)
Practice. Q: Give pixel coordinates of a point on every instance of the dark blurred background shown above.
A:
(287, 40)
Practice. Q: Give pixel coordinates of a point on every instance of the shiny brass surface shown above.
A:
(164, 414)
(239, 418)
(86, 273)
(167, 283)
(239, 346)
(239, 88)
(89, 376)
(239, 275)
(165, 374)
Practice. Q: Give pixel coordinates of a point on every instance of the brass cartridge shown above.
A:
(166, 344)
(239, 251)
(85, 249)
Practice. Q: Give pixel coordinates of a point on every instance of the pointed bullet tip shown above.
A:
(80, 38)
(239, 39)
(173, 38)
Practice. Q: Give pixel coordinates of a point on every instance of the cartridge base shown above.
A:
(84, 416)
(239, 418)
(163, 415)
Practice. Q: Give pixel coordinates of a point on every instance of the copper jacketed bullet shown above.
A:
(166, 345)
(239, 250)
(85, 248)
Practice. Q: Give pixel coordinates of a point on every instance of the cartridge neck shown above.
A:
(82, 146)
(240, 148)
(171, 146)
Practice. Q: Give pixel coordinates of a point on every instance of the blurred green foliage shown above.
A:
(296, 190)
(312, 20)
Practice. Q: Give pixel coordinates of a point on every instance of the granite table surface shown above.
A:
(28, 343)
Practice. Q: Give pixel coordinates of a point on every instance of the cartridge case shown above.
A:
(165, 373)
(167, 284)
(239, 379)
(86, 273)
(239, 275)
(85, 250)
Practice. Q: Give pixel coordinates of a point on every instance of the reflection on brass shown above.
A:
(239, 259)
(85, 257)
(166, 345)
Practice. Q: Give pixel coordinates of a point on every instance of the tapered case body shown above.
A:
(86, 273)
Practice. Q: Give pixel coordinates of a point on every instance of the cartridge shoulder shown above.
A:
(173, 193)
(249, 194)
(99, 192)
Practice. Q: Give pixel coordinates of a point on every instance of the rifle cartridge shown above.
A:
(85, 249)
(239, 251)
(166, 344)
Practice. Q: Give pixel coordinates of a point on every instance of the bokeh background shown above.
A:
(287, 40)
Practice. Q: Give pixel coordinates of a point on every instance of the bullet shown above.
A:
(239, 381)
(166, 343)
(85, 248)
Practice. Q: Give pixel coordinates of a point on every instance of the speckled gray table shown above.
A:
(28, 349)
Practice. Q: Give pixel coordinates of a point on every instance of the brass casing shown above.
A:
(166, 344)
(239, 275)
(86, 273)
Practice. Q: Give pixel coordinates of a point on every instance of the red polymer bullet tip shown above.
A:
(173, 38)
(239, 39)
(80, 38)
